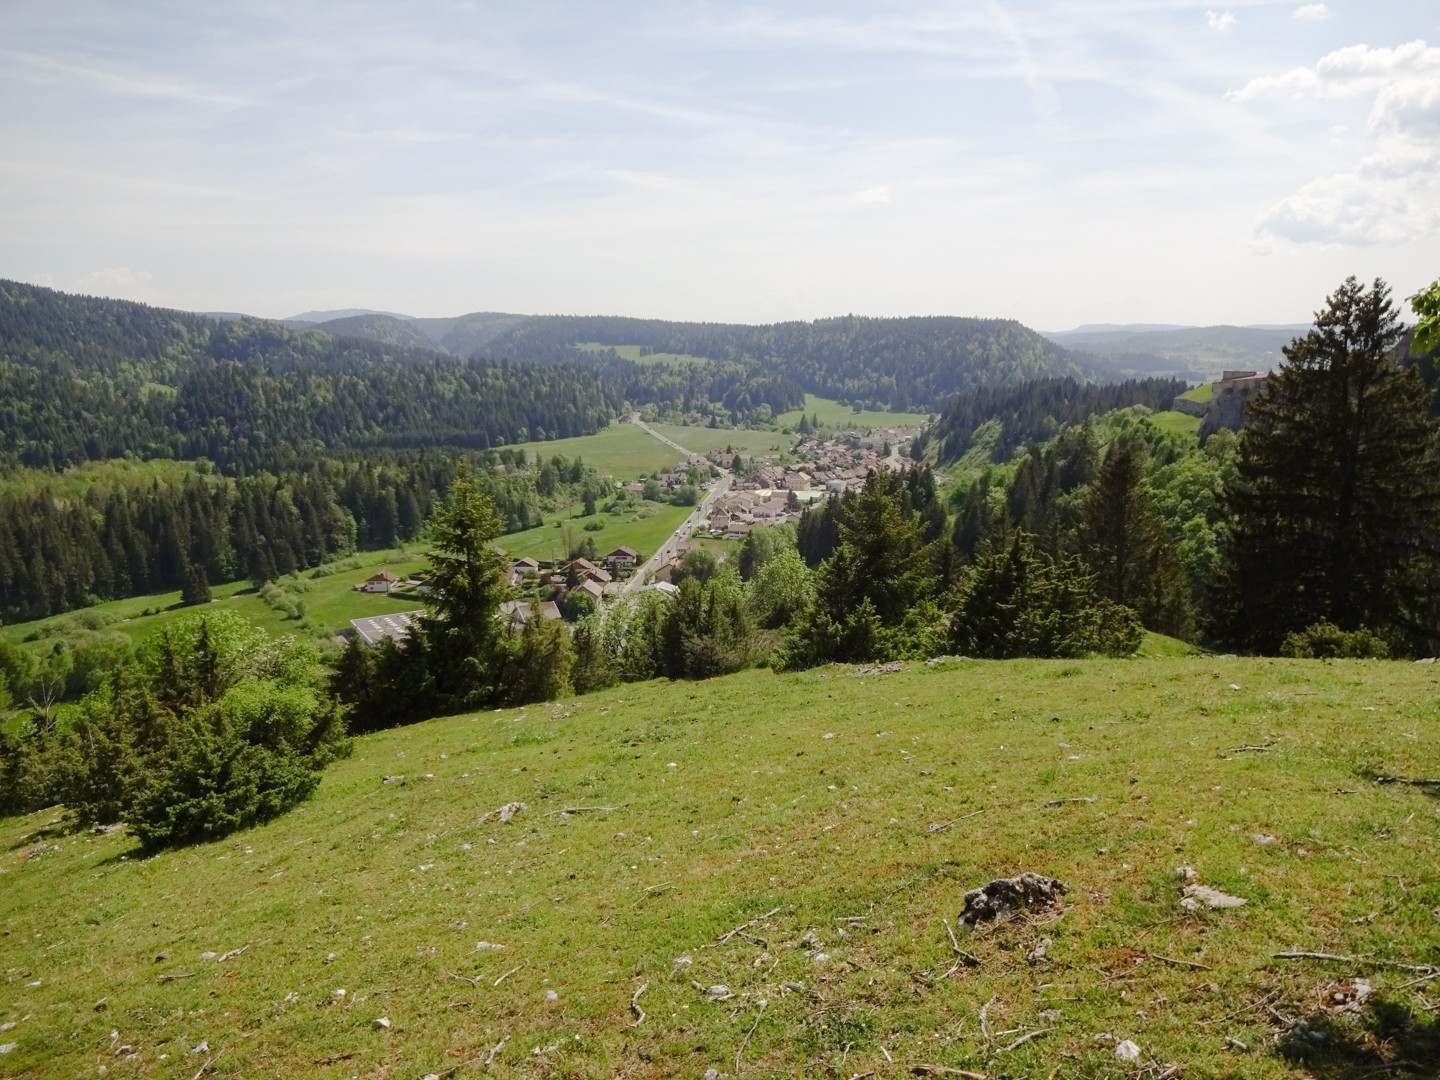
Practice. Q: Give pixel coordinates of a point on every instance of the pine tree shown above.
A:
(1124, 542)
(1336, 500)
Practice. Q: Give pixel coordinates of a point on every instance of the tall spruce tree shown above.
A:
(1335, 503)
(1123, 539)
(467, 645)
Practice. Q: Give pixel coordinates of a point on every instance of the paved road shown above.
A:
(695, 520)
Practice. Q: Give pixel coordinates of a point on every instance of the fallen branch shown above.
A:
(968, 958)
(463, 978)
(232, 952)
(1250, 749)
(1024, 1039)
(507, 974)
(941, 826)
(203, 1069)
(495, 1050)
(723, 938)
(163, 979)
(635, 1005)
(922, 1069)
(1413, 782)
(1424, 969)
(580, 810)
(745, 1041)
(1180, 963)
(1062, 802)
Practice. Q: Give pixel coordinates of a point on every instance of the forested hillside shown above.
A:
(901, 364)
(87, 379)
(1032, 411)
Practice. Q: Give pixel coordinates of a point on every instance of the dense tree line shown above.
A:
(1032, 412)
(200, 528)
(902, 364)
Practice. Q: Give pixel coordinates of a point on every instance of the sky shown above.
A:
(1055, 161)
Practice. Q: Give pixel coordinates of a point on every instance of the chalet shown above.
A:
(622, 558)
(738, 530)
(519, 612)
(592, 588)
(664, 587)
(526, 565)
(383, 582)
(376, 628)
(665, 572)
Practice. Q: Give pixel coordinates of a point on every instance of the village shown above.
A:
(766, 490)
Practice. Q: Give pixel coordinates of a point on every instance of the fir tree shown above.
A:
(1336, 499)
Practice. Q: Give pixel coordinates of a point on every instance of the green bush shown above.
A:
(1326, 641)
(215, 728)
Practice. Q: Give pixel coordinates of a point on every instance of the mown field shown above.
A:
(798, 844)
(623, 450)
(833, 414)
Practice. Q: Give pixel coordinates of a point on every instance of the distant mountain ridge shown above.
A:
(1193, 352)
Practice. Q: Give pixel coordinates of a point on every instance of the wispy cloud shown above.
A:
(1222, 22)
(1393, 193)
(1311, 13)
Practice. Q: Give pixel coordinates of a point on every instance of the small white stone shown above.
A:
(551, 995)
(208, 955)
(338, 994)
(5, 1048)
(202, 1047)
(380, 1023)
(482, 946)
(1127, 1050)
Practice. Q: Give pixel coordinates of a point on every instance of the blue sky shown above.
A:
(1055, 162)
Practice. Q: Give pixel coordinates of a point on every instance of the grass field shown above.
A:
(702, 440)
(634, 355)
(800, 841)
(330, 601)
(1177, 423)
(644, 534)
(1202, 393)
(622, 450)
(834, 415)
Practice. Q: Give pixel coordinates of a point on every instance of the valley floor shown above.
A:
(837, 818)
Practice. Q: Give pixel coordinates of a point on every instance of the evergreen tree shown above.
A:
(1124, 542)
(1336, 499)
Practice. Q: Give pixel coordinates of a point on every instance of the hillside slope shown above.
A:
(799, 841)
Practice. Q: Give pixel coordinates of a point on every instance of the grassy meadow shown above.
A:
(834, 415)
(623, 450)
(754, 875)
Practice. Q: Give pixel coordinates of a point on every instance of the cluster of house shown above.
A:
(679, 475)
(562, 577)
(575, 574)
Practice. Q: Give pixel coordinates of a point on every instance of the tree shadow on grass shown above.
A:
(1388, 1038)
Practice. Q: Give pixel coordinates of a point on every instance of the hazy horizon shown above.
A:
(1060, 163)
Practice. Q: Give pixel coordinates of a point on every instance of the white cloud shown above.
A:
(1393, 194)
(1222, 22)
(873, 195)
(1311, 13)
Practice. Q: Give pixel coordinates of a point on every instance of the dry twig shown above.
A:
(1024, 1039)
(723, 938)
(507, 974)
(1424, 969)
(463, 978)
(968, 958)
(580, 810)
(333, 1058)
(635, 1005)
(1062, 802)
(1180, 963)
(746, 1040)
(922, 1069)
(163, 979)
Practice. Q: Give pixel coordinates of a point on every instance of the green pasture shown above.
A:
(834, 415)
(755, 875)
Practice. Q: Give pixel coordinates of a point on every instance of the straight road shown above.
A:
(669, 548)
